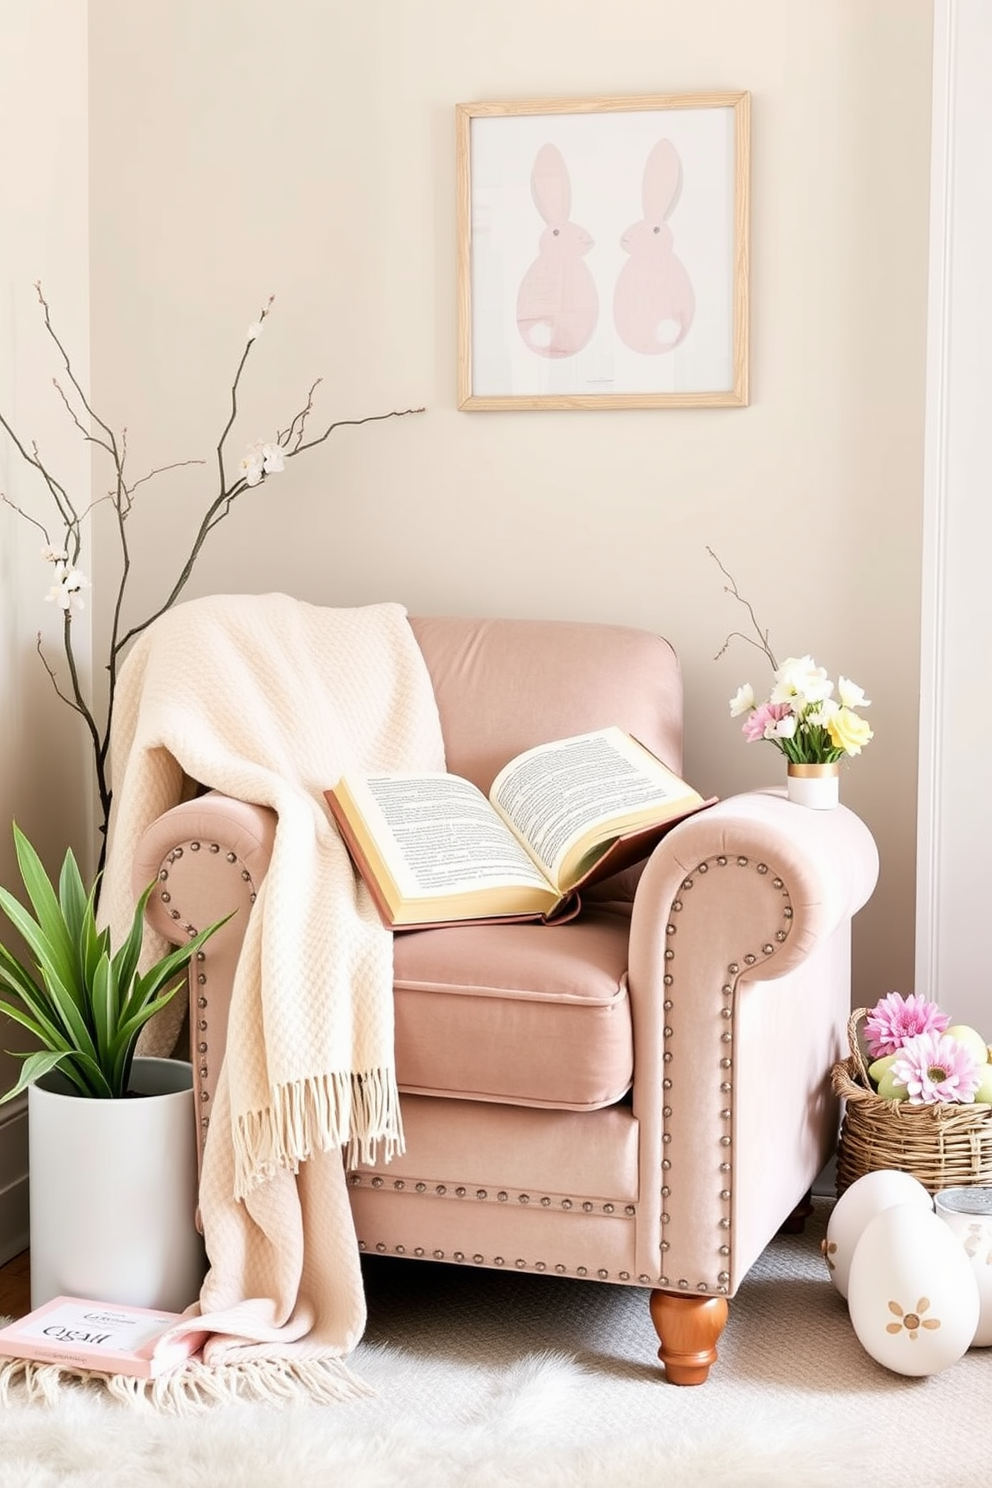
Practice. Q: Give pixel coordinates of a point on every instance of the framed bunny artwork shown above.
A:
(603, 252)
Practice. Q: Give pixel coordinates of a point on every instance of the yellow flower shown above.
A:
(848, 732)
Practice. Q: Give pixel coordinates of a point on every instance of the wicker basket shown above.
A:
(941, 1145)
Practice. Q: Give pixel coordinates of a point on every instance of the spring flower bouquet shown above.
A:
(801, 715)
(919, 1056)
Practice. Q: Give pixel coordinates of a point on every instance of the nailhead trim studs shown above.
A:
(747, 959)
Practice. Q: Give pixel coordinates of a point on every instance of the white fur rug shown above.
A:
(487, 1380)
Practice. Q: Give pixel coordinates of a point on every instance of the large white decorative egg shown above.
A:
(912, 1294)
(866, 1197)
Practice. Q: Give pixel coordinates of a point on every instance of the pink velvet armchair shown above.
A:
(638, 1097)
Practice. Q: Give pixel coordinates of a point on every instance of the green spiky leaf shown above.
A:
(33, 1067)
(83, 1001)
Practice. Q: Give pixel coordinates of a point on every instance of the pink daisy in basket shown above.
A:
(895, 1018)
(935, 1068)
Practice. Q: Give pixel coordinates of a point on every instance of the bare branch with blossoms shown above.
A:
(298, 426)
(262, 460)
(762, 641)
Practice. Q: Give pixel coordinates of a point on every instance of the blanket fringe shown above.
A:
(34, 1383)
(192, 1388)
(359, 1112)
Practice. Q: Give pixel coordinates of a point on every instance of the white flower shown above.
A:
(259, 460)
(65, 591)
(785, 728)
(743, 701)
(254, 330)
(272, 458)
(823, 712)
(799, 679)
(53, 555)
(252, 465)
(851, 695)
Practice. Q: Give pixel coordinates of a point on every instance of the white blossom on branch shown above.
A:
(62, 526)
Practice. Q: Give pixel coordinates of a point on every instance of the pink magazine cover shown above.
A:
(104, 1336)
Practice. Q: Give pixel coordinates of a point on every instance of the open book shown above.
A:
(434, 850)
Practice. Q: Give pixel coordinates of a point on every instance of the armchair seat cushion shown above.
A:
(536, 1015)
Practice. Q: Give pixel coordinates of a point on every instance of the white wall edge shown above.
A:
(933, 575)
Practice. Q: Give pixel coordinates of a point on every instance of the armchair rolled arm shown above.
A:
(211, 853)
(740, 990)
(827, 859)
(221, 829)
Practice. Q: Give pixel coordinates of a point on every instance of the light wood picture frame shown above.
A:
(603, 252)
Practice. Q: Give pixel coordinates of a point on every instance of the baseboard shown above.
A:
(13, 1179)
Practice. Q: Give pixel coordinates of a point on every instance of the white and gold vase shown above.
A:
(816, 785)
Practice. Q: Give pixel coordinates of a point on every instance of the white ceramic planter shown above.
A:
(113, 1191)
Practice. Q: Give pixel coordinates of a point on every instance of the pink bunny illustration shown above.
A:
(557, 302)
(654, 303)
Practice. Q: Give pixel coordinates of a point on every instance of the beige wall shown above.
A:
(43, 235)
(240, 149)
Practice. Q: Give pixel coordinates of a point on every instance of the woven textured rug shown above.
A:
(488, 1379)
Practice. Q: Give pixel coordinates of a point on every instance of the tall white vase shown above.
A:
(113, 1191)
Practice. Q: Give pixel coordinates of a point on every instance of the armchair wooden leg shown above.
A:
(796, 1222)
(688, 1327)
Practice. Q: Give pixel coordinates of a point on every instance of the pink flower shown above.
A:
(895, 1018)
(761, 723)
(936, 1068)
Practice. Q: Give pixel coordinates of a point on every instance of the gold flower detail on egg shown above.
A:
(911, 1321)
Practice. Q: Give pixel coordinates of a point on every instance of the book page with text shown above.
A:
(446, 835)
(554, 794)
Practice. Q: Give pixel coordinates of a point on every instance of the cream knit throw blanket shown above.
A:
(269, 699)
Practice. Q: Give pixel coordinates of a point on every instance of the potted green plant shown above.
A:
(112, 1180)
